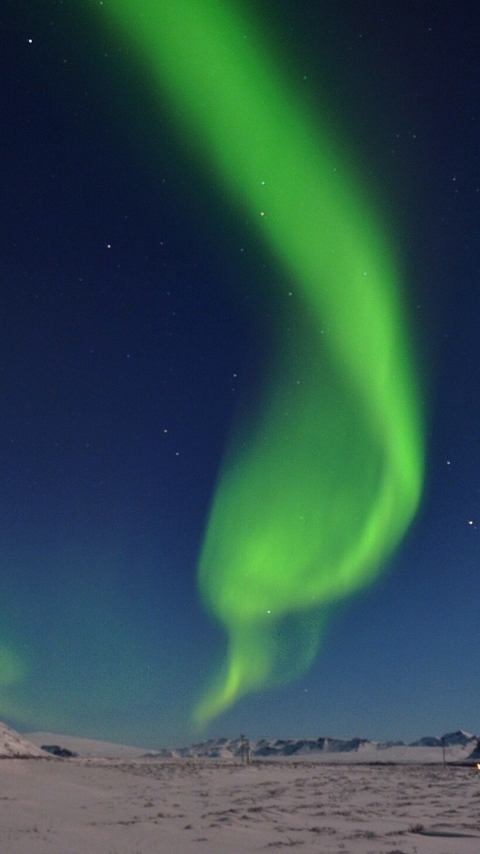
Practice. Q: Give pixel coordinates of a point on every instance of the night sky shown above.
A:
(137, 301)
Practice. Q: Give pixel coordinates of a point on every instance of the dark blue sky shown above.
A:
(131, 328)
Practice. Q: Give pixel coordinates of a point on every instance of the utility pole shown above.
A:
(245, 749)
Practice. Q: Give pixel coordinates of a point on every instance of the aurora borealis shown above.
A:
(315, 499)
(217, 336)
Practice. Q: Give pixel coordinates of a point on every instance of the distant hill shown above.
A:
(87, 748)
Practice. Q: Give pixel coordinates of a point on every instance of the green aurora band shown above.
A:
(319, 486)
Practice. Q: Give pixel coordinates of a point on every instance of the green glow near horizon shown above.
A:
(319, 487)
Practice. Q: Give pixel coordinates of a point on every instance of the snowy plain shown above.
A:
(187, 805)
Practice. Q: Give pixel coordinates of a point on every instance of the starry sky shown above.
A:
(135, 308)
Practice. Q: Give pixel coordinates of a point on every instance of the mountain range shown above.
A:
(232, 748)
(458, 746)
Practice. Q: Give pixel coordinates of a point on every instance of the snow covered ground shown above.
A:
(325, 796)
(55, 806)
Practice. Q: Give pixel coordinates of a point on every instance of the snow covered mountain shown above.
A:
(451, 738)
(14, 745)
(458, 745)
